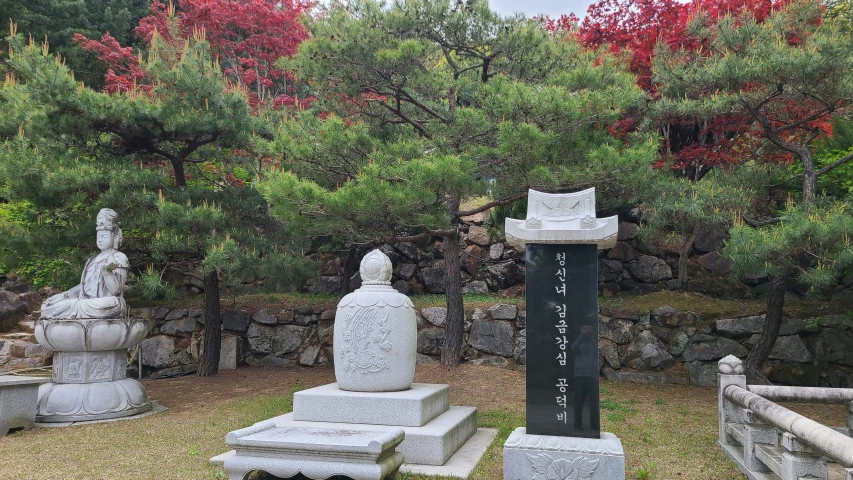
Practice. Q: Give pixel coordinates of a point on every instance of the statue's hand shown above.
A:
(110, 266)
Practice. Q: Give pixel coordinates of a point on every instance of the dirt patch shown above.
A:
(501, 388)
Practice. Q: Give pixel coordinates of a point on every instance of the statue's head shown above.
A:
(109, 233)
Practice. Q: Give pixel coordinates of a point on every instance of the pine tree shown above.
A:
(175, 158)
(790, 75)
(420, 102)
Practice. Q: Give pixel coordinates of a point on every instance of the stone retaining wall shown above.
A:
(661, 346)
(489, 265)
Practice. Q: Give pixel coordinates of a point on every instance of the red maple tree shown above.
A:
(637, 27)
(247, 37)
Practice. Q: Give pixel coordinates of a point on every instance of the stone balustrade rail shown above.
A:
(769, 441)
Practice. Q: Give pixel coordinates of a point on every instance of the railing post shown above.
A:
(799, 460)
(756, 431)
(730, 373)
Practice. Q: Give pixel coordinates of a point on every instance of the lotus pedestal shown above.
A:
(90, 370)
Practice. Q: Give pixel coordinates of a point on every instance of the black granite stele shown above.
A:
(545, 374)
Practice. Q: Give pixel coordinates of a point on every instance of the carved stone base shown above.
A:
(542, 457)
(317, 453)
(80, 402)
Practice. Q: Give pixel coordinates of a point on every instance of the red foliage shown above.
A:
(637, 26)
(246, 36)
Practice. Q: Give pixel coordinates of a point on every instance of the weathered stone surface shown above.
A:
(273, 361)
(406, 271)
(702, 374)
(504, 275)
(305, 319)
(710, 240)
(736, 327)
(627, 231)
(309, 356)
(472, 259)
(158, 351)
(677, 343)
(684, 319)
(791, 349)
(435, 315)
(236, 320)
(649, 269)
(615, 329)
(408, 250)
(622, 252)
(479, 235)
(327, 285)
(519, 353)
(493, 336)
(493, 361)
(840, 322)
(503, 311)
(424, 360)
(434, 279)
(478, 287)
(328, 314)
(265, 317)
(34, 350)
(32, 299)
(833, 345)
(707, 347)
(176, 314)
(609, 270)
(182, 326)
(840, 377)
(12, 310)
(402, 286)
(607, 350)
(647, 352)
(715, 263)
(496, 251)
(430, 340)
(276, 340)
(796, 374)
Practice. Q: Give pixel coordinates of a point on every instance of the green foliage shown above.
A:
(646, 472)
(411, 119)
(172, 160)
(59, 20)
(810, 246)
(683, 207)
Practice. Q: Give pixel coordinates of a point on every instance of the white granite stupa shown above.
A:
(375, 343)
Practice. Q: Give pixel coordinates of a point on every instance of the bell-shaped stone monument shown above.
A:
(375, 343)
(375, 333)
(88, 328)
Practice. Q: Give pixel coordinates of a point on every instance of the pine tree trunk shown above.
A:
(208, 364)
(180, 175)
(683, 256)
(349, 269)
(772, 325)
(451, 351)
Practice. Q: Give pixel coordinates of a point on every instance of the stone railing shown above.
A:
(768, 441)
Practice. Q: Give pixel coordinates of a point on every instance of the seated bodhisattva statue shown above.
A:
(99, 294)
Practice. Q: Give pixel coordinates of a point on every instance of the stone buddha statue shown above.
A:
(99, 294)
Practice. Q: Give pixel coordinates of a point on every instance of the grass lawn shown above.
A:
(668, 431)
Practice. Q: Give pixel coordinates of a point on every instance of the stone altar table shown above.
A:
(563, 439)
(18, 396)
(317, 453)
